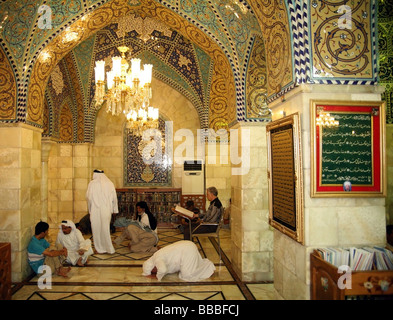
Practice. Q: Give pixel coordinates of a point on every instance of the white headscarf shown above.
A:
(72, 241)
(100, 192)
(67, 223)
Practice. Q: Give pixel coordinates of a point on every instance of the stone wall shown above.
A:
(339, 222)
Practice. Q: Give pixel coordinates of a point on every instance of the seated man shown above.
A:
(191, 206)
(141, 232)
(142, 238)
(212, 215)
(181, 256)
(84, 225)
(183, 223)
(78, 248)
(39, 253)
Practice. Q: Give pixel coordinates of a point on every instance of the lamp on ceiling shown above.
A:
(127, 90)
(324, 119)
(142, 119)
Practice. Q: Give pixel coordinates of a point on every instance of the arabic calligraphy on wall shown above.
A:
(348, 160)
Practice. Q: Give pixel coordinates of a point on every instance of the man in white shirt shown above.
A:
(102, 203)
(78, 248)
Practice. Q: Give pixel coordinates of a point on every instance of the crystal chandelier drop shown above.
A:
(324, 119)
(128, 91)
(127, 88)
(142, 119)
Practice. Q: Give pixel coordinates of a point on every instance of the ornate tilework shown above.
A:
(275, 25)
(140, 169)
(66, 122)
(64, 87)
(257, 83)
(7, 89)
(300, 40)
(385, 42)
(223, 30)
(221, 77)
(341, 53)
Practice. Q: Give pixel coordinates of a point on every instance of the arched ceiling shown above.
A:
(225, 31)
(231, 23)
(177, 62)
(292, 33)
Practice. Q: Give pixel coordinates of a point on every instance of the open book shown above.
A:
(184, 211)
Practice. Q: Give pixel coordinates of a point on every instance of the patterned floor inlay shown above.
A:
(119, 277)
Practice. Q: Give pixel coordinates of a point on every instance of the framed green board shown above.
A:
(348, 157)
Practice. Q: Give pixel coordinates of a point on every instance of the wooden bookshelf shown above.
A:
(325, 277)
(5, 271)
(159, 200)
(199, 200)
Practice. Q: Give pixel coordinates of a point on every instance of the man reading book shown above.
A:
(207, 222)
(190, 206)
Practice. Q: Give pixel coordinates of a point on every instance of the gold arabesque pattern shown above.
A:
(273, 19)
(222, 89)
(7, 89)
(66, 130)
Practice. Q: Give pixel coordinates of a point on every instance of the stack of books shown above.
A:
(359, 259)
(383, 258)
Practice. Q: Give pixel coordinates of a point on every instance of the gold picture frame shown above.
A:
(285, 176)
(348, 157)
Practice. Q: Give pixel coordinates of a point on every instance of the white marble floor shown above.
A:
(118, 277)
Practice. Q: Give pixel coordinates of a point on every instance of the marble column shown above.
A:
(46, 146)
(336, 222)
(252, 237)
(20, 191)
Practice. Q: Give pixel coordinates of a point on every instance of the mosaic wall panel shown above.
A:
(66, 123)
(257, 82)
(343, 41)
(64, 86)
(98, 18)
(7, 89)
(77, 97)
(385, 46)
(172, 55)
(276, 31)
(223, 30)
(140, 170)
(83, 55)
(233, 28)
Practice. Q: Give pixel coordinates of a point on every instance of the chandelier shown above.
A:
(127, 91)
(326, 120)
(142, 119)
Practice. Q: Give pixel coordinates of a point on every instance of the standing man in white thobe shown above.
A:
(102, 203)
